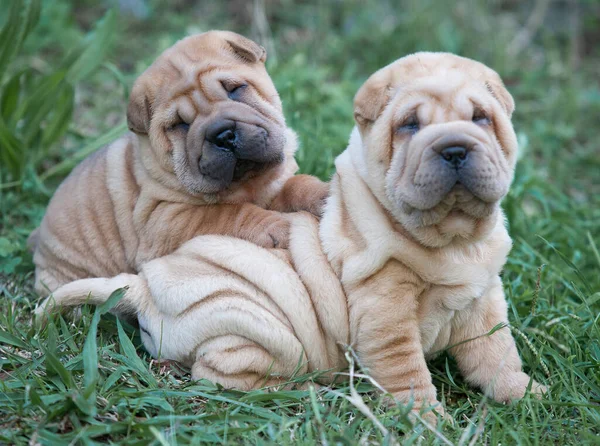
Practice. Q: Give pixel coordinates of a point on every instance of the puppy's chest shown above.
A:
(439, 304)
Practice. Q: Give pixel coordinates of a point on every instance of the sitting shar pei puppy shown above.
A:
(412, 231)
(208, 152)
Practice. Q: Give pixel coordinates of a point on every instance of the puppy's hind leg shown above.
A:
(239, 363)
(97, 291)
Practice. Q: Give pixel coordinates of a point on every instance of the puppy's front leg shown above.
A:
(269, 229)
(385, 332)
(247, 221)
(302, 193)
(492, 362)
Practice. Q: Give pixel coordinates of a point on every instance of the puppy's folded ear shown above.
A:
(496, 87)
(372, 98)
(139, 110)
(247, 50)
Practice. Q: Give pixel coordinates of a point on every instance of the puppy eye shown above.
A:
(234, 90)
(179, 126)
(410, 125)
(479, 117)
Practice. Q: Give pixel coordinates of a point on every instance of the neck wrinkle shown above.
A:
(387, 239)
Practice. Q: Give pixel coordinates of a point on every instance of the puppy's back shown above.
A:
(79, 235)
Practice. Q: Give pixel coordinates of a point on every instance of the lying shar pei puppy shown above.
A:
(208, 151)
(412, 231)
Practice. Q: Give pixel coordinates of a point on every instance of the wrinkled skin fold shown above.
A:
(231, 311)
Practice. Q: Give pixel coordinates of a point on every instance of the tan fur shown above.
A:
(301, 193)
(413, 287)
(142, 196)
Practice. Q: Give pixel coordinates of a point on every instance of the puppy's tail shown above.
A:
(96, 292)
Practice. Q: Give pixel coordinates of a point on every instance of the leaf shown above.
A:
(7, 338)
(113, 378)
(38, 101)
(86, 59)
(60, 119)
(9, 266)
(112, 300)
(114, 70)
(54, 366)
(22, 17)
(90, 359)
(90, 347)
(35, 110)
(35, 399)
(10, 151)
(10, 95)
(6, 247)
(129, 351)
(87, 406)
(497, 327)
(65, 166)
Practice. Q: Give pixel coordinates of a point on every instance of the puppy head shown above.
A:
(210, 112)
(438, 144)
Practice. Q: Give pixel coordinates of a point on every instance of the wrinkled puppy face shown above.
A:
(438, 142)
(211, 112)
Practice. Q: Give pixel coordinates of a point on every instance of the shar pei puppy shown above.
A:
(405, 262)
(208, 152)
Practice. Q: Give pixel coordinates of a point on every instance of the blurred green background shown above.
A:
(66, 68)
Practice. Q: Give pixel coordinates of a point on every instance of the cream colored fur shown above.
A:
(232, 311)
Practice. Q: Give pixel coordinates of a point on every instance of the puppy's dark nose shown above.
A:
(223, 135)
(226, 139)
(455, 155)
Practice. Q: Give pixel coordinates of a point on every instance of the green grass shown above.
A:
(89, 380)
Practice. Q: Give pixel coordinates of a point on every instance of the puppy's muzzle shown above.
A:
(454, 155)
(247, 143)
(454, 149)
(461, 160)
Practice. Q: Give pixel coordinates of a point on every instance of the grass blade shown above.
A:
(67, 165)
(22, 17)
(130, 353)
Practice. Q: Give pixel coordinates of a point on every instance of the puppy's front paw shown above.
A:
(275, 234)
(316, 204)
(428, 410)
(302, 193)
(430, 416)
(513, 387)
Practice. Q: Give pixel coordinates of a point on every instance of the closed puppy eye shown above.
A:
(480, 117)
(410, 125)
(180, 125)
(234, 90)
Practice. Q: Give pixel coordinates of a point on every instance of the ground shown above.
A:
(51, 390)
